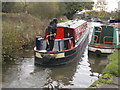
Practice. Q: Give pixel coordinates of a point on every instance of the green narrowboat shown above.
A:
(105, 39)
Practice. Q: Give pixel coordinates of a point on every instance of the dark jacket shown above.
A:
(51, 30)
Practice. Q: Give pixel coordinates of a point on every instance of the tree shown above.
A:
(14, 7)
(7, 6)
(44, 10)
(73, 7)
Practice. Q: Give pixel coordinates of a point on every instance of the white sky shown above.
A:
(112, 4)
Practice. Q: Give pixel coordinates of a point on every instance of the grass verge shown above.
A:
(114, 63)
(110, 71)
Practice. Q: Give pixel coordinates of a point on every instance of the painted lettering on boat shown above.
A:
(38, 55)
(58, 55)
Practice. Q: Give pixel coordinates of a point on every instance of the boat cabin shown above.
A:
(106, 36)
(67, 35)
(71, 39)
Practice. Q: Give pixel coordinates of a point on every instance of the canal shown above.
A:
(78, 74)
(81, 73)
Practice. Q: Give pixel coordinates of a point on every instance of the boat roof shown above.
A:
(96, 24)
(71, 24)
(115, 25)
(114, 21)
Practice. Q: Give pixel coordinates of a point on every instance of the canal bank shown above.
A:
(110, 75)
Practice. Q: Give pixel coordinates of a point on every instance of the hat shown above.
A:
(55, 20)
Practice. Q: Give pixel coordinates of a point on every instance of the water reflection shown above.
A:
(62, 76)
(82, 78)
(78, 74)
(97, 64)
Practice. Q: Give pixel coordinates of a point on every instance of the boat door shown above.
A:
(116, 27)
(118, 37)
(68, 33)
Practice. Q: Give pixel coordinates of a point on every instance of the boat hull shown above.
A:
(98, 51)
(59, 58)
(49, 60)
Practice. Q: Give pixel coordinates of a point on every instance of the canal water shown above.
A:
(78, 74)
(81, 73)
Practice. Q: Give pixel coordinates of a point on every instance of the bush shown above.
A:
(19, 31)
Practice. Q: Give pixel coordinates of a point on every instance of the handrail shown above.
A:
(96, 38)
(107, 37)
(64, 39)
(100, 34)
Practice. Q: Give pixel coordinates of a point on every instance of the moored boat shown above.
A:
(105, 39)
(71, 39)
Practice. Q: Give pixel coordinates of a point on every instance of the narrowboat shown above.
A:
(96, 19)
(105, 39)
(113, 21)
(65, 47)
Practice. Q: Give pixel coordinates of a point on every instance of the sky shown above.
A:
(112, 4)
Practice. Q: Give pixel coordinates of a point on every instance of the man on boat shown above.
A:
(51, 33)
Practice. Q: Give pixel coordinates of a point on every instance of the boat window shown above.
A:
(68, 32)
(97, 28)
